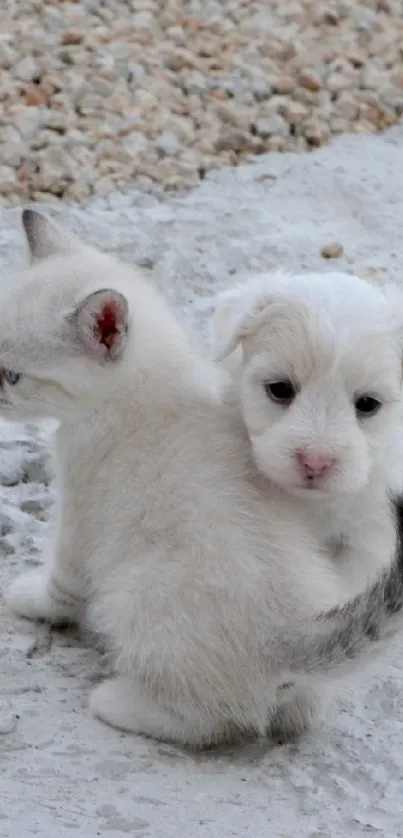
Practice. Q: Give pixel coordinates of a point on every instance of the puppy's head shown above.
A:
(319, 376)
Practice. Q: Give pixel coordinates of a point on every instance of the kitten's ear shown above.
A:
(45, 238)
(238, 313)
(101, 321)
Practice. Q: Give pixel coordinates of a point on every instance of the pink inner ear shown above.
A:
(109, 324)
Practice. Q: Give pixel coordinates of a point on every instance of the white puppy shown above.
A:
(207, 587)
(316, 364)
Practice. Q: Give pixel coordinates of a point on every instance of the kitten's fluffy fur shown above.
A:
(208, 596)
(335, 338)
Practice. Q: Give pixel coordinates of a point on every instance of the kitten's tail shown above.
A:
(349, 636)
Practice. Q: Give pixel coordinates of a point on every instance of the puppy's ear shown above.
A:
(101, 322)
(45, 238)
(238, 314)
(394, 298)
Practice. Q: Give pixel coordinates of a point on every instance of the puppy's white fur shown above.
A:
(336, 338)
(195, 570)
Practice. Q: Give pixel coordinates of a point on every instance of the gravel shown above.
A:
(97, 97)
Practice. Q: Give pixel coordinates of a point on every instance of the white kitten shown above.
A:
(316, 364)
(208, 601)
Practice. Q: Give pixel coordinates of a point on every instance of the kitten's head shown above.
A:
(65, 326)
(319, 377)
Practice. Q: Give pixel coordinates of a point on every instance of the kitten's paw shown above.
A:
(36, 596)
(113, 702)
(119, 703)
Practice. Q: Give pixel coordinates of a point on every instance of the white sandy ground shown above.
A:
(63, 773)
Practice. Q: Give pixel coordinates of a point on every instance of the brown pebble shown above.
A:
(34, 96)
(72, 37)
(284, 84)
(309, 79)
(333, 250)
(24, 172)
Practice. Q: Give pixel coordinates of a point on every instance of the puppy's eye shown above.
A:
(367, 406)
(282, 392)
(10, 376)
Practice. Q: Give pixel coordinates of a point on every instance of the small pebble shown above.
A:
(284, 84)
(333, 250)
(12, 466)
(272, 126)
(36, 506)
(168, 144)
(7, 546)
(26, 69)
(310, 79)
(8, 718)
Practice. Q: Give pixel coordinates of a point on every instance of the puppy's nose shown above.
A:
(314, 465)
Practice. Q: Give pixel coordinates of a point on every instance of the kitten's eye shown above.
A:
(10, 376)
(367, 406)
(282, 392)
